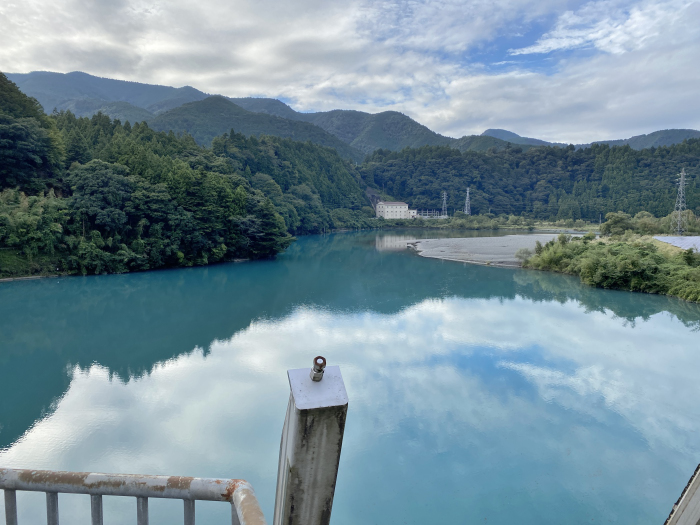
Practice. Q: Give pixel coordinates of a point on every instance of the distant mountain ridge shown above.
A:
(85, 94)
(664, 137)
(353, 134)
(514, 138)
(216, 115)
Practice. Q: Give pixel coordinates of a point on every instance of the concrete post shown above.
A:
(312, 438)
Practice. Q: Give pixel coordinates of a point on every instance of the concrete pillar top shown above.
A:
(308, 394)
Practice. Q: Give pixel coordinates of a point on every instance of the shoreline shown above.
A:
(486, 251)
(28, 278)
(412, 246)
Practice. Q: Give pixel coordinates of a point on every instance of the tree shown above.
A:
(616, 223)
(77, 149)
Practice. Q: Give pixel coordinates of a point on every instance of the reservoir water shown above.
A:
(477, 394)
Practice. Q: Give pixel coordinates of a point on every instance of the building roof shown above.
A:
(395, 203)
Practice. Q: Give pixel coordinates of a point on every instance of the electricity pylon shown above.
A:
(467, 204)
(678, 219)
(444, 204)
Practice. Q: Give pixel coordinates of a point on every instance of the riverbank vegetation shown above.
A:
(627, 261)
(95, 195)
(544, 183)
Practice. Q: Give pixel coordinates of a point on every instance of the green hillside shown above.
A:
(31, 148)
(93, 195)
(125, 112)
(84, 94)
(216, 115)
(270, 106)
(365, 131)
(514, 138)
(368, 132)
(543, 183)
(664, 137)
(482, 143)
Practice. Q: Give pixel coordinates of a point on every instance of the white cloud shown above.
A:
(221, 415)
(637, 75)
(612, 27)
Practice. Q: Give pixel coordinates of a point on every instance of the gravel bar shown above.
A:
(496, 251)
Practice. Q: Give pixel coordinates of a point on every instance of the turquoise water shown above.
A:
(477, 394)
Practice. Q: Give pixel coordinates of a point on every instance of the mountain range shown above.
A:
(664, 137)
(354, 134)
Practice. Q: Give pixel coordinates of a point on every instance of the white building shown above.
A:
(394, 210)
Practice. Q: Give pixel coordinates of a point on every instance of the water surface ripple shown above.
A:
(477, 394)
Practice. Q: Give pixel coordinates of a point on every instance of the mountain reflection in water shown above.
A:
(476, 394)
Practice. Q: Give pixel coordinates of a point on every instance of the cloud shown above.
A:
(436, 383)
(604, 69)
(611, 27)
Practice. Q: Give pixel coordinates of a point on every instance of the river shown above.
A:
(477, 394)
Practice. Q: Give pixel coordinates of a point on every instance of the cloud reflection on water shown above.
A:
(558, 411)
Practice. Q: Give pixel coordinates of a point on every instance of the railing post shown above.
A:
(10, 507)
(96, 509)
(52, 508)
(189, 511)
(141, 511)
(312, 438)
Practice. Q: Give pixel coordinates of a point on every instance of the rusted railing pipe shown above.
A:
(238, 492)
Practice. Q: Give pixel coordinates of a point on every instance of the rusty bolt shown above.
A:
(317, 370)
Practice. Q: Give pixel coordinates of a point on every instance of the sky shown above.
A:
(560, 70)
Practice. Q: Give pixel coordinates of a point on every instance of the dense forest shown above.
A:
(543, 183)
(93, 195)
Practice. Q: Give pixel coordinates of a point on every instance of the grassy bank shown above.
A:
(629, 262)
(462, 222)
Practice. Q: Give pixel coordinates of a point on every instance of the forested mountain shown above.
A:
(364, 131)
(352, 133)
(123, 111)
(368, 132)
(85, 95)
(665, 137)
(270, 106)
(482, 143)
(90, 195)
(215, 115)
(514, 138)
(94, 195)
(361, 133)
(543, 183)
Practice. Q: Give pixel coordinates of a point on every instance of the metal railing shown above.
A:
(312, 439)
(245, 509)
